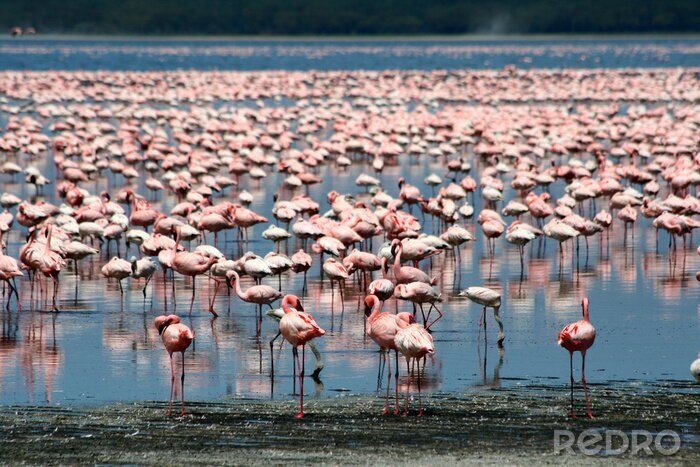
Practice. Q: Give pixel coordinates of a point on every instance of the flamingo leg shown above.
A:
(420, 399)
(172, 385)
(583, 381)
(193, 289)
(571, 372)
(272, 356)
(396, 381)
(55, 291)
(148, 279)
(216, 291)
(301, 383)
(408, 387)
(387, 356)
(436, 319)
(182, 383)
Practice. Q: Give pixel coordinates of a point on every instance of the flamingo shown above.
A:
(142, 269)
(176, 338)
(487, 298)
(193, 265)
(414, 342)
(258, 294)
(383, 288)
(298, 328)
(578, 337)
(117, 268)
(382, 328)
(407, 274)
(9, 269)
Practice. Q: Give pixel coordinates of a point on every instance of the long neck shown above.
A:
(397, 259)
(285, 305)
(376, 308)
(177, 240)
(48, 241)
(585, 311)
(383, 268)
(237, 284)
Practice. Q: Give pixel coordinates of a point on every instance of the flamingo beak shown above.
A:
(368, 309)
(162, 327)
(299, 306)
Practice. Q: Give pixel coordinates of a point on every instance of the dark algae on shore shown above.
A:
(491, 426)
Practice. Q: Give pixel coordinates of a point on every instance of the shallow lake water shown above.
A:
(644, 302)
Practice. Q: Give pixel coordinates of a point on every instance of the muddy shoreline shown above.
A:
(483, 425)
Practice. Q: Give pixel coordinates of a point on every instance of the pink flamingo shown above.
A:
(193, 265)
(9, 269)
(578, 337)
(407, 274)
(382, 328)
(258, 294)
(414, 343)
(298, 328)
(176, 338)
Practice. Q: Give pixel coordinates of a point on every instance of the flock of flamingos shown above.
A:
(160, 134)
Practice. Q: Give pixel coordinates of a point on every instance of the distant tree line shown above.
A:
(350, 17)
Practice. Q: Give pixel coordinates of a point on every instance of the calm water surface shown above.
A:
(102, 348)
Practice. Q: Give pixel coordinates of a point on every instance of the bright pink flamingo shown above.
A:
(382, 328)
(414, 343)
(176, 338)
(578, 337)
(298, 328)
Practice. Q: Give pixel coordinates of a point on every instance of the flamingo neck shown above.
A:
(48, 241)
(177, 241)
(397, 258)
(285, 304)
(585, 312)
(383, 268)
(376, 308)
(237, 285)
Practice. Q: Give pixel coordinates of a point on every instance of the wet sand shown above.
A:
(481, 425)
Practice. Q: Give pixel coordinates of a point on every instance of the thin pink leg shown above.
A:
(571, 371)
(408, 387)
(387, 356)
(396, 381)
(583, 381)
(182, 382)
(300, 366)
(420, 399)
(172, 385)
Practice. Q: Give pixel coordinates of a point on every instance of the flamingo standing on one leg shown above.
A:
(382, 328)
(414, 343)
(578, 337)
(176, 338)
(298, 328)
(9, 269)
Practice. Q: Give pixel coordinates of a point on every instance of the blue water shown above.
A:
(139, 54)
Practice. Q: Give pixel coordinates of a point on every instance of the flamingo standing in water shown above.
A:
(258, 294)
(487, 298)
(193, 265)
(414, 343)
(298, 328)
(9, 269)
(578, 337)
(382, 328)
(176, 338)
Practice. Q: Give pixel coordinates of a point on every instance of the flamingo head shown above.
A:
(162, 322)
(370, 302)
(405, 319)
(395, 245)
(231, 277)
(402, 181)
